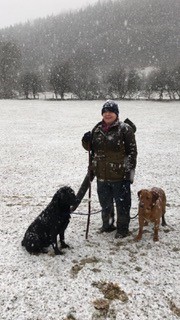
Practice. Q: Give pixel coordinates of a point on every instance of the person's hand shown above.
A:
(87, 137)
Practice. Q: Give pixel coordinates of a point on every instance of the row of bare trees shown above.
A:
(121, 84)
(163, 82)
(80, 78)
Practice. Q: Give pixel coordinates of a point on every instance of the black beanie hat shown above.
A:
(111, 106)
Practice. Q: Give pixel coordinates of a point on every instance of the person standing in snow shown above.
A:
(114, 157)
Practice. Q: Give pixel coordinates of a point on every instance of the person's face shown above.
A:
(109, 117)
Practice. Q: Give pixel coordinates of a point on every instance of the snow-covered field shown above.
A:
(41, 151)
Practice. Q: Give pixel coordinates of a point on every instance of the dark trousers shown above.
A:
(120, 193)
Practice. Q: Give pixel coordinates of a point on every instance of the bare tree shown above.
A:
(60, 79)
(117, 83)
(10, 63)
(84, 81)
(175, 82)
(149, 84)
(160, 82)
(133, 83)
(31, 84)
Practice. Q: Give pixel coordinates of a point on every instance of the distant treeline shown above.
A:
(82, 82)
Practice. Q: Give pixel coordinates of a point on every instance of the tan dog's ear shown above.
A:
(155, 196)
(139, 193)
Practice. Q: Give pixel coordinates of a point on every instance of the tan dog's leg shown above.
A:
(163, 213)
(156, 229)
(163, 221)
(141, 225)
(163, 208)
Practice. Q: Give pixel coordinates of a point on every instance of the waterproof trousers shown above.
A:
(120, 193)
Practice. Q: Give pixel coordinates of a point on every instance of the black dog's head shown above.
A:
(65, 196)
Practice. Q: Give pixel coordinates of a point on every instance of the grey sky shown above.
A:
(15, 11)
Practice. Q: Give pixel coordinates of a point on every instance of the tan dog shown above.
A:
(152, 207)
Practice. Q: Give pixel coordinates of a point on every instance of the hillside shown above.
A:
(130, 33)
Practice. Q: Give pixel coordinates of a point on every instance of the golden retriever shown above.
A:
(152, 207)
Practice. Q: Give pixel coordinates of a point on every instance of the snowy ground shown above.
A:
(40, 152)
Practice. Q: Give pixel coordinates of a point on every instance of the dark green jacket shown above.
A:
(114, 151)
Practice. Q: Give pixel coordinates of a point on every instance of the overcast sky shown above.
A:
(15, 11)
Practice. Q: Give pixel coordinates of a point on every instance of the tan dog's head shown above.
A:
(147, 199)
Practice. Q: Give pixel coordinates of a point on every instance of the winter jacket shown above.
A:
(114, 152)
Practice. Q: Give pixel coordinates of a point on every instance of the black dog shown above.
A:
(52, 221)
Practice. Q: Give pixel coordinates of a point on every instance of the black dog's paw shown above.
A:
(58, 252)
(44, 250)
(64, 245)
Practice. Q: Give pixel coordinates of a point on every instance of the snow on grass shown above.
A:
(40, 152)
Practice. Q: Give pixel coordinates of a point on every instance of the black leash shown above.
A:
(95, 212)
(86, 214)
(134, 216)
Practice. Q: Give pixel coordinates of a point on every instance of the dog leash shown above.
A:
(85, 214)
(134, 216)
(95, 212)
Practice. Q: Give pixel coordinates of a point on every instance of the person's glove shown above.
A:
(87, 137)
